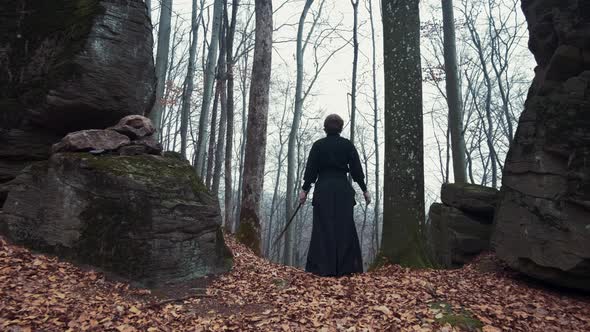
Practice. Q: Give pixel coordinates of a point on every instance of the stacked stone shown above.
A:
(461, 226)
(87, 66)
(133, 135)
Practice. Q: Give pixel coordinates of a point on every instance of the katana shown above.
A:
(288, 223)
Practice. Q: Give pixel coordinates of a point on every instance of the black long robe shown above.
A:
(334, 249)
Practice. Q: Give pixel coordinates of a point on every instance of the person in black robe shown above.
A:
(334, 249)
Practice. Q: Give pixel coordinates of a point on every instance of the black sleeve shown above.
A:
(311, 168)
(356, 170)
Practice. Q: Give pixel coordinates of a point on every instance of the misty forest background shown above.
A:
(328, 58)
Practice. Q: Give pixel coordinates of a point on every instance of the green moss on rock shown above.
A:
(145, 218)
(144, 168)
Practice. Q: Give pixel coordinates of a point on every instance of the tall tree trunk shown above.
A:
(242, 143)
(161, 62)
(377, 204)
(209, 79)
(200, 167)
(167, 109)
(190, 74)
(489, 126)
(454, 99)
(223, 111)
(212, 142)
(249, 230)
(355, 46)
(230, 112)
(403, 211)
(291, 162)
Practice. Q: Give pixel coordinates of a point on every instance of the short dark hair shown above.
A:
(333, 124)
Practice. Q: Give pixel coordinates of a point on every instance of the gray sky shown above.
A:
(331, 91)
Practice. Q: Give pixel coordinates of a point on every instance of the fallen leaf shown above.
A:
(125, 328)
(383, 309)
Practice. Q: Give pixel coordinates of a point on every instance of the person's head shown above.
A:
(333, 124)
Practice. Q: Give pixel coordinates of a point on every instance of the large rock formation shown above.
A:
(75, 64)
(461, 227)
(543, 222)
(68, 65)
(106, 197)
(147, 218)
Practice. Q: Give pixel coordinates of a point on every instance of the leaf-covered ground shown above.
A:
(41, 293)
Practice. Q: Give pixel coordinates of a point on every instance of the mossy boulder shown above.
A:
(69, 65)
(146, 218)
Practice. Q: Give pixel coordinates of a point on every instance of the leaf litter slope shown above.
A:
(38, 292)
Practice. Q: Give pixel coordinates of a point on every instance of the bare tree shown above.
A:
(280, 161)
(403, 211)
(174, 88)
(245, 41)
(190, 73)
(212, 142)
(244, 88)
(377, 204)
(355, 47)
(230, 111)
(454, 99)
(209, 79)
(295, 128)
(489, 42)
(249, 228)
(164, 28)
(221, 80)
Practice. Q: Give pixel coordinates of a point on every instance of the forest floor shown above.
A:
(42, 293)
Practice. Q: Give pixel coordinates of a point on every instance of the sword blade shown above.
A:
(288, 224)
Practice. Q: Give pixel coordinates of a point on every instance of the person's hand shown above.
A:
(367, 195)
(302, 196)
